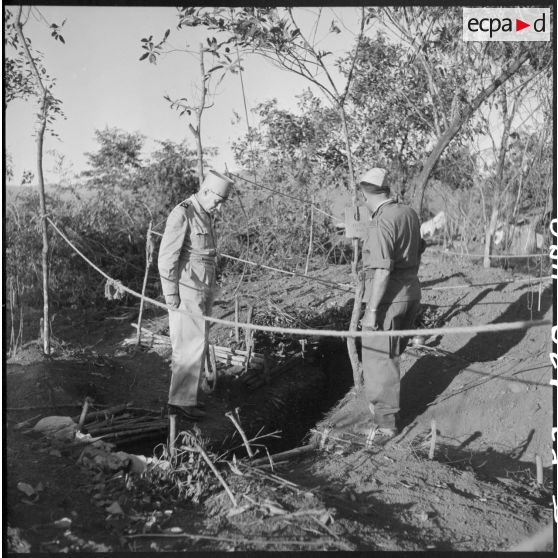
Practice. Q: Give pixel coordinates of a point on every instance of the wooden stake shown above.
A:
(148, 259)
(172, 435)
(538, 464)
(311, 240)
(84, 410)
(236, 328)
(432, 440)
(351, 343)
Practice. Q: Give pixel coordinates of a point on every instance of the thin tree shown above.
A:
(48, 106)
(195, 107)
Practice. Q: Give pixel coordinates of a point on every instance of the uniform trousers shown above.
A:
(189, 341)
(380, 359)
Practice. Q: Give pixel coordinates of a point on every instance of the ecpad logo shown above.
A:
(506, 24)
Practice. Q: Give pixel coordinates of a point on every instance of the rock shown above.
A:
(27, 489)
(138, 463)
(63, 523)
(115, 509)
(61, 428)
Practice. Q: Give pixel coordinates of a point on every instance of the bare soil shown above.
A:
(488, 394)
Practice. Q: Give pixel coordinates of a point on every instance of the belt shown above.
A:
(210, 259)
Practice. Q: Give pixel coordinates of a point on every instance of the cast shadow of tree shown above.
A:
(429, 377)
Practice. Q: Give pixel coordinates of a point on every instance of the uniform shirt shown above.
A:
(187, 252)
(393, 242)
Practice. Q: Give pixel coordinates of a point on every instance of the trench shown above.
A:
(293, 403)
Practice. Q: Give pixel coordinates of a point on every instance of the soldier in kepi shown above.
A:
(391, 257)
(187, 263)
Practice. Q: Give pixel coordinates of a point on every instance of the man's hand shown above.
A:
(172, 300)
(370, 320)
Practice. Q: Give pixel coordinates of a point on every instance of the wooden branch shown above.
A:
(216, 473)
(295, 452)
(230, 416)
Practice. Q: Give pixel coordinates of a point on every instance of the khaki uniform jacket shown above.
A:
(393, 242)
(187, 254)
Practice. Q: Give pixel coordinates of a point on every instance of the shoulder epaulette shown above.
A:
(185, 203)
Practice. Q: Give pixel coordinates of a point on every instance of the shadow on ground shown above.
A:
(427, 379)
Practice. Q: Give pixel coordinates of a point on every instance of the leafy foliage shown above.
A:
(106, 214)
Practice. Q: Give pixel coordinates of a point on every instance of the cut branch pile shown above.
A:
(124, 424)
(225, 355)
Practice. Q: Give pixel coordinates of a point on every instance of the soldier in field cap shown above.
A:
(187, 261)
(390, 257)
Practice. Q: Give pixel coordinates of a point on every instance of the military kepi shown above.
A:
(373, 179)
(218, 183)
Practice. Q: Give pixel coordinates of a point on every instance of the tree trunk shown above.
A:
(499, 182)
(44, 226)
(41, 183)
(352, 181)
(421, 181)
(490, 230)
(351, 342)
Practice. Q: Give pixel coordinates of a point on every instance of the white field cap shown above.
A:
(218, 183)
(374, 176)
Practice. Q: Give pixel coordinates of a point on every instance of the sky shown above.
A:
(101, 82)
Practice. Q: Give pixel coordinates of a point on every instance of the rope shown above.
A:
(506, 256)
(348, 289)
(287, 196)
(292, 273)
(488, 328)
(528, 280)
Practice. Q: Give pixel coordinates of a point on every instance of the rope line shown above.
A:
(505, 256)
(348, 289)
(287, 196)
(488, 328)
(286, 272)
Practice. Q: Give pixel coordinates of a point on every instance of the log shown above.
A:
(142, 429)
(104, 413)
(127, 427)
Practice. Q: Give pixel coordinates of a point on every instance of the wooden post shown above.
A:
(148, 260)
(432, 440)
(538, 464)
(172, 435)
(249, 339)
(351, 343)
(236, 328)
(311, 240)
(84, 410)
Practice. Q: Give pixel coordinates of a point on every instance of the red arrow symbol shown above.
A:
(519, 24)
